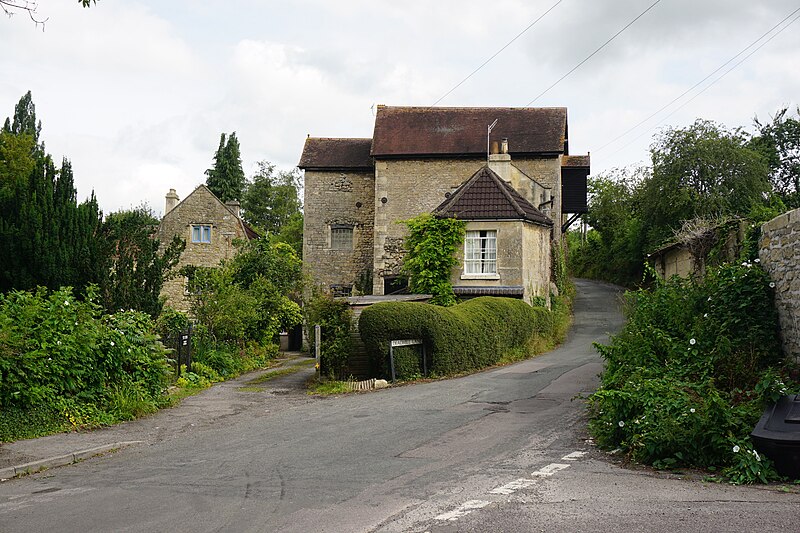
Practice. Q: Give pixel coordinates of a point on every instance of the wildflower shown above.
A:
(758, 457)
(709, 298)
(744, 264)
(58, 343)
(49, 358)
(692, 410)
(621, 424)
(692, 341)
(66, 302)
(705, 315)
(636, 421)
(736, 449)
(76, 323)
(771, 284)
(757, 260)
(112, 343)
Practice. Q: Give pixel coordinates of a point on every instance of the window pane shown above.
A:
(341, 238)
(480, 252)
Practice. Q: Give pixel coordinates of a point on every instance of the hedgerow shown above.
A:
(467, 336)
(687, 378)
(335, 320)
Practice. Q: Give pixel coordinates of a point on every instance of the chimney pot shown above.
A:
(504, 146)
(495, 149)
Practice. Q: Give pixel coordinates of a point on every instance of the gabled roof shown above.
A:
(486, 196)
(461, 131)
(249, 232)
(329, 153)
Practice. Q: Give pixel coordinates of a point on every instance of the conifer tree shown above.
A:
(226, 179)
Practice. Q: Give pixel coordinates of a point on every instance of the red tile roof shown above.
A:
(461, 131)
(486, 196)
(320, 152)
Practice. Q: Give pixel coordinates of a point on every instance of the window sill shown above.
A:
(481, 276)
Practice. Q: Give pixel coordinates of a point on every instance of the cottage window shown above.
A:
(341, 237)
(480, 252)
(201, 233)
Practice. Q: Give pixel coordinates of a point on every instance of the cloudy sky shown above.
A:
(136, 93)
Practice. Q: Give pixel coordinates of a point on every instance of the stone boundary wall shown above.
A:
(779, 251)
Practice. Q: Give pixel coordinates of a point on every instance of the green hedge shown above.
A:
(468, 336)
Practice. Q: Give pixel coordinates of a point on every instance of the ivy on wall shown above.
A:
(432, 244)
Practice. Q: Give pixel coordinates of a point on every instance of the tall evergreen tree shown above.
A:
(226, 178)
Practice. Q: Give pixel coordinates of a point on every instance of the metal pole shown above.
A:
(391, 362)
(317, 351)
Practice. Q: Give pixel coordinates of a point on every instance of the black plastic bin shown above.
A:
(777, 435)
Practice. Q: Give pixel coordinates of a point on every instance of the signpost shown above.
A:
(317, 347)
(407, 342)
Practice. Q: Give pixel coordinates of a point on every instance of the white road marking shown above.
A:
(514, 486)
(549, 470)
(463, 510)
(574, 456)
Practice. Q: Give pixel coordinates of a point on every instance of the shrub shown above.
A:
(335, 320)
(467, 336)
(686, 379)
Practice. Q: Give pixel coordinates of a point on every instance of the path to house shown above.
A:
(503, 450)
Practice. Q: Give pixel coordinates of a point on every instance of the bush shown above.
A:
(467, 336)
(335, 320)
(686, 379)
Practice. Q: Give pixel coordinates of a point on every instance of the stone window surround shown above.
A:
(486, 276)
(200, 227)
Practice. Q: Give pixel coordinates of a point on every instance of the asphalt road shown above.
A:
(503, 450)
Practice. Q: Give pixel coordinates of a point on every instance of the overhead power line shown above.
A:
(693, 87)
(704, 89)
(531, 25)
(576, 67)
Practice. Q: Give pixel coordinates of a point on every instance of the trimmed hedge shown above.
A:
(468, 336)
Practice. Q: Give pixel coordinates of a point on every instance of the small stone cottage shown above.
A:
(209, 228)
(515, 188)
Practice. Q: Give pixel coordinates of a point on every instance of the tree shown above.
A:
(134, 270)
(779, 142)
(271, 198)
(704, 170)
(12, 7)
(226, 179)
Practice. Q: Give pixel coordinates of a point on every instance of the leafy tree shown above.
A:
(291, 233)
(779, 142)
(226, 179)
(271, 198)
(703, 170)
(134, 270)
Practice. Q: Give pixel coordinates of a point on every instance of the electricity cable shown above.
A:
(576, 67)
(496, 53)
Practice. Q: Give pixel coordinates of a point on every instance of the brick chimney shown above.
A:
(172, 201)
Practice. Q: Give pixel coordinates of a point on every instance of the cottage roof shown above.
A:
(486, 196)
(461, 131)
(248, 231)
(331, 153)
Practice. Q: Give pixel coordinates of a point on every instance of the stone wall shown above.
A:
(345, 198)
(201, 207)
(779, 251)
(407, 188)
(537, 258)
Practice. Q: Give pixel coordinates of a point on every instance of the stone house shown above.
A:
(420, 159)
(209, 227)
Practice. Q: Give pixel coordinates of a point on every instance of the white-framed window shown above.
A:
(480, 252)
(201, 233)
(341, 237)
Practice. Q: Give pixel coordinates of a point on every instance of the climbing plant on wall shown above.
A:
(432, 243)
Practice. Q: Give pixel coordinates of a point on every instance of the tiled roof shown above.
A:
(320, 152)
(486, 196)
(461, 131)
(575, 161)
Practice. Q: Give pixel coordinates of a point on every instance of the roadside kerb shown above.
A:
(61, 460)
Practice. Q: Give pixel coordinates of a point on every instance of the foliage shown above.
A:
(226, 178)
(271, 198)
(467, 336)
(686, 379)
(779, 142)
(432, 243)
(291, 233)
(335, 320)
(134, 269)
(58, 350)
